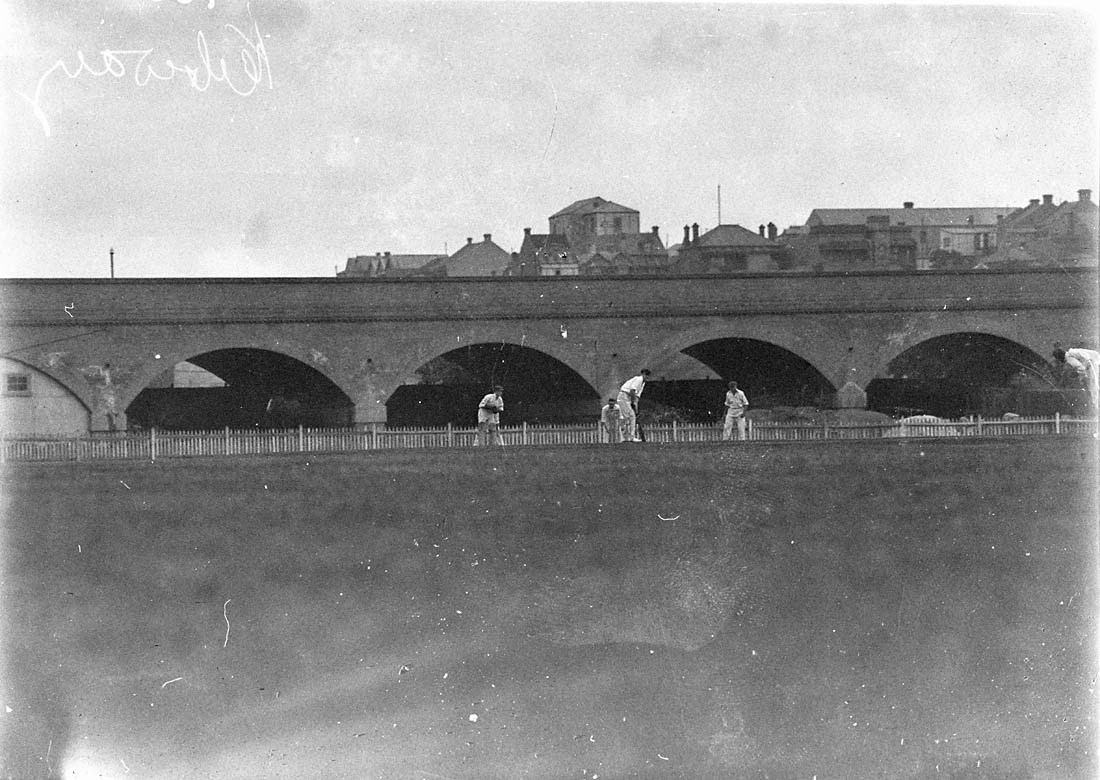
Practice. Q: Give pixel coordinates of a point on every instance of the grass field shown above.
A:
(905, 609)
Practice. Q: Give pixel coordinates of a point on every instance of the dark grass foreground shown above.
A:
(865, 610)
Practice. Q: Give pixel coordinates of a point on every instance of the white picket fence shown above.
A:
(152, 445)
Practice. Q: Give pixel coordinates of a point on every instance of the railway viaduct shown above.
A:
(104, 340)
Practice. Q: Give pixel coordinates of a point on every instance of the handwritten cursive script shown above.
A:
(254, 69)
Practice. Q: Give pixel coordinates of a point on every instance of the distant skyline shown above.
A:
(288, 135)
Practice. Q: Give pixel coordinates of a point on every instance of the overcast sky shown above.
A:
(341, 128)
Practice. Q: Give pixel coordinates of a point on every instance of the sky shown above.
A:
(227, 138)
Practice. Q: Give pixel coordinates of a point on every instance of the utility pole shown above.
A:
(719, 204)
(112, 262)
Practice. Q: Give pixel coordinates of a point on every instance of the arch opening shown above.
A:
(692, 385)
(240, 388)
(537, 388)
(963, 374)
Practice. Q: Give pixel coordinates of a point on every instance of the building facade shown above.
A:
(730, 249)
(1044, 234)
(385, 264)
(481, 258)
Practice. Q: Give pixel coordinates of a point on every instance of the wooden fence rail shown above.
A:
(154, 444)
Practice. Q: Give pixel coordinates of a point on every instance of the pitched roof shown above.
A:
(483, 258)
(596, 205)
(731, 235)
(535, 242)
(982, 215)
(373, 265)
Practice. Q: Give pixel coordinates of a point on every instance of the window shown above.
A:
(618, 224)
(17, 384)
(947, 242)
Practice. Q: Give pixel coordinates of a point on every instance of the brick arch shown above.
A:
(189, 348)
(782, 338)
(533, 339)
(926, 331)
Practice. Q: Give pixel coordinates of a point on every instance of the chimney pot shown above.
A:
(761, 230)
(387, 254)
(527, 231)
(488, 236)
(1048, 199)
(1033, 202)
(908, 204)
(773, 231)
(655, 229)
(469, 240)
(694, 231)
(1084, 195)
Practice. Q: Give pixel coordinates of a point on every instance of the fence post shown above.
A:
(153, 444)
(301, 438)
(524, 437)
(748, 428)
(227, 440)
(825, 425)
(374, 435)
(979, 425)
(675, 435)
(450, 434)
(1057, 422)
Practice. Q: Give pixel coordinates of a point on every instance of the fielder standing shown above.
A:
(736, 404)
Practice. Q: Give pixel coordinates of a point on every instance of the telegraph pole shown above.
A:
(719, 204)
(112, 262)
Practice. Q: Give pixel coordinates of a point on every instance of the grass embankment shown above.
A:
(861, 610)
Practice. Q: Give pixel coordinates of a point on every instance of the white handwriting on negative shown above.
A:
(254, 69)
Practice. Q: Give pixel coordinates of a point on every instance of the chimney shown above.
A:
(527, 231)
(773, 231)
(694, 232)
(908, 204)
(469, 240)
(377, 254)
(762, 230)
(488, 237)
(656, 228)
(1033, 202)
(1084, 195)
(687, 235)
(387, 254)
(1048, 200)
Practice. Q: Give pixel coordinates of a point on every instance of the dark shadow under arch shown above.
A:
(963, 374)
(770, 376)
(263, 389)
(537, 388)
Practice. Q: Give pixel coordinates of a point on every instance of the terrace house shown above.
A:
(729, 249)
(897, 238)
(483, 258)
(1043, 234)
(384, 264)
